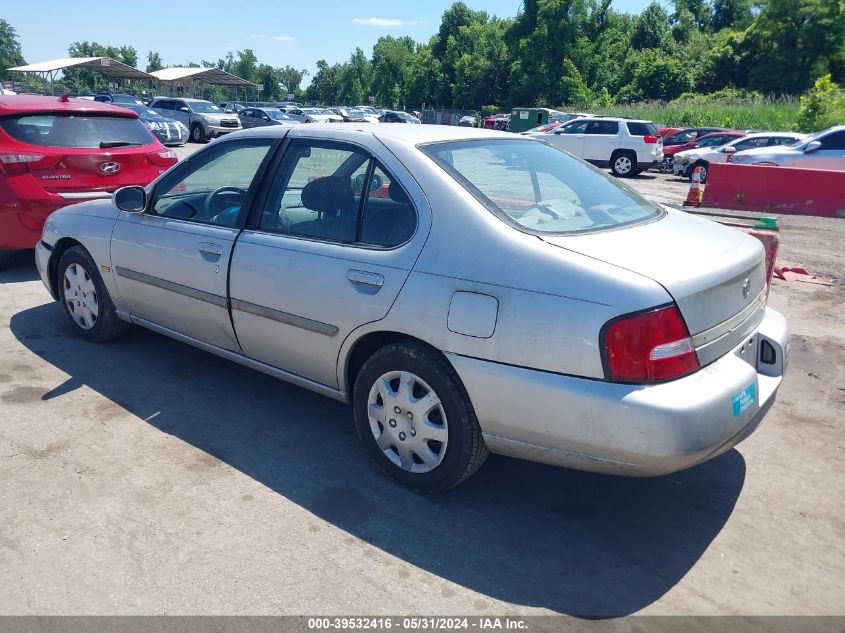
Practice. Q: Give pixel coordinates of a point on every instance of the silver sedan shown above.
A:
(467, 291)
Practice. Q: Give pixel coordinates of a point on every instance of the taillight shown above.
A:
(650, 139)
(652, 346)
(13, 164)
(166, 157)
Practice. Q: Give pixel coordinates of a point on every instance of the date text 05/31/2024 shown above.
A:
(417, 623)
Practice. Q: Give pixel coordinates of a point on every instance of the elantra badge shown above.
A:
(110, 168)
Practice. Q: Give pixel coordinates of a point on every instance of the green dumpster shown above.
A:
(523, 119)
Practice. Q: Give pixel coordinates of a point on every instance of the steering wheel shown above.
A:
(208, 207)
(545, 208)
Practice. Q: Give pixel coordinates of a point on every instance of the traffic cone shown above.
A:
(695, 191)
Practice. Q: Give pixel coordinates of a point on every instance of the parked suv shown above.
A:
(58, 151)
(627, 146)
(204, 119)
(825, 150)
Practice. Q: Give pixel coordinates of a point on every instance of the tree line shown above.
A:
(577, 53)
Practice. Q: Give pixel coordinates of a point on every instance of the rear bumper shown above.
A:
(638, 430)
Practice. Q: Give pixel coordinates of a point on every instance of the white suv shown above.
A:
(627, 146)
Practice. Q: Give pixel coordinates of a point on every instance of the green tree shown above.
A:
(246, 65)
(654, 76)
(734, 14)
(153, 62)
(290, 79)
(652, 28)
(10, 49)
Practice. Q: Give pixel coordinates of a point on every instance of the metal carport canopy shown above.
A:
(104, 65)
(209, 76)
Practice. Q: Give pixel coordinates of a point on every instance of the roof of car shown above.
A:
(412, 134)
(11, 104)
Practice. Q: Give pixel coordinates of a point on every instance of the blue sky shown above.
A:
(279, 31)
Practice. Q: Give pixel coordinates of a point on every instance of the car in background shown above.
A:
(824, 150)
(6, 91)
(627, 146)
(684, 139)
(260, 117)
(466, 121)
(117, 98)
(543, 128)
(231, 107)
(665, 130)
(357, 115)
(320, 115)
(203, 119)
(686, 162)
(581, 325)
(166, 130)
(499, 121)
(397, 116)
(57, 151)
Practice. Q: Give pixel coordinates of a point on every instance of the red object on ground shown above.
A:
(47, 160)
(800, 274)
(776, 189)
(771, 242)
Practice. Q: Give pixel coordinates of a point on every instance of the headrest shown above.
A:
(330, 194)
(397, 194)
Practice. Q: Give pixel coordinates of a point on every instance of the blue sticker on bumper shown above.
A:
(744, 399)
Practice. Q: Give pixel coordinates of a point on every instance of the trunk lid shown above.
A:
(96, 170)
(715, 274)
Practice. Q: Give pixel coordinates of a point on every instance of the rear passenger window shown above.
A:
(833, 141)
(641, 129)
(338, 193)
(603, 127)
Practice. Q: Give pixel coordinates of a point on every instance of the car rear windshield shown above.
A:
(76, 130)
(538, 188)
(641, 129)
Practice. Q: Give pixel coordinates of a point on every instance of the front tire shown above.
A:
(702, 174)
(85, 299)
(197, 133)
(415, 418)
(623, 164)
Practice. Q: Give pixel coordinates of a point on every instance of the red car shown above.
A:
(55, 151)
(693, 137)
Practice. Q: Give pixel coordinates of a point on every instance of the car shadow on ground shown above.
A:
(574, 543)
(22, 268)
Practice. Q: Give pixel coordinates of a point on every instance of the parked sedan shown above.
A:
(57, 151)
(582, 325)
(687, 161)
(825, 150)
(168, 131)
(397, 116)
(259, 117)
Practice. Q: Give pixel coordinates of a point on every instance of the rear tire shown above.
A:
(414, 416)
(6, 259)
(623, 164)
(197, 133)
(85, 299)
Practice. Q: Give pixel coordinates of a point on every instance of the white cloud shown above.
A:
(277, 38)
(381, 22)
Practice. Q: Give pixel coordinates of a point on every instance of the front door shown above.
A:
(170, 262)
(327, 254)
(570, 137)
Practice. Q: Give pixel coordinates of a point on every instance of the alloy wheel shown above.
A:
(623, 164)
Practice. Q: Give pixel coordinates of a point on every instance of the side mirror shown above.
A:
(130, 199)
(812, 147)
(184, 109)
(730, 149)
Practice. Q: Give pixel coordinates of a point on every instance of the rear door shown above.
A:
(601, 140)
(326, 255)
(248, 118)
(170, 263)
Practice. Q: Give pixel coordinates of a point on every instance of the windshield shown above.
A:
(359, 113)
(279, 116)
(205, 107)
(538, 188)
(142, 110)
(80, 131)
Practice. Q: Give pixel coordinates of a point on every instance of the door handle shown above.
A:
(364, 278)
(210, 249)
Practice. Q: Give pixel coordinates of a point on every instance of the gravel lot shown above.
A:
(147, 477)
